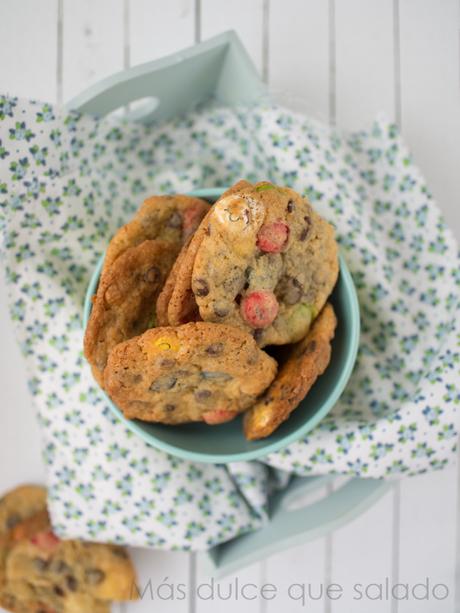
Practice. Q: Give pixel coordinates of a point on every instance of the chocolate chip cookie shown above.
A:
(306, 361)
(176, 304)
(124, 305)
(266, 263)
(19, 504)
(194, 372)
(169, 218)
(176, 293)
(45, 573)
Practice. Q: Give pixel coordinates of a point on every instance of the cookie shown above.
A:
(170, 285)
(168, 218)
(63, 575)
(176, 304)
(266, 263)
(19, 504)
(306, 361)
(182, 306)
(124, 305)
(21, 596)
(195, 372)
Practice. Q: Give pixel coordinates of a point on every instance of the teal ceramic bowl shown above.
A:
(226, 443)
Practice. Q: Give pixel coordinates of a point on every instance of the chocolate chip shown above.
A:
(289, 290)
(163, 383)
(121, 553)
(175, 221)
(58, 590)
(202, 395)
(183, 373)
(166, 363)
(303, 235)
(220, 310)
(169, 408)
(215, 349)
(290, 206)
(13, 520)
(310, 348)
(257, 334)
(61, 567)
(201, 288)
(39, 564)
(152, 275)
(72, 583)
(215, 375)
(94, 576)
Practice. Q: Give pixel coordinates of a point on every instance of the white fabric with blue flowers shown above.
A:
(68, 181)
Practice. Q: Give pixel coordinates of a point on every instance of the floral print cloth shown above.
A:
(68, 181)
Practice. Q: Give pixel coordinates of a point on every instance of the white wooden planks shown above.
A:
(427, 539)
(430, 119)
(240, 590)
(304, 565)
(364, 61)
(362, 555)
(93, 45)
(298, 55)
(293, 41)
(240, 15)
(430, 95)
(28, 31)
(159, 28)
(163, 579)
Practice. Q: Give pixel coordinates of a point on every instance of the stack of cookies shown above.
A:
(40, 573)
(193, 299)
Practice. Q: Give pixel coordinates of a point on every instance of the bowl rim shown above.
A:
(195, 456)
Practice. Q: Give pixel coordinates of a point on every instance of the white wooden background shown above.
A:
(339, 60)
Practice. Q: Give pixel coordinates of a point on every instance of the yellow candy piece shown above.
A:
(164, 343)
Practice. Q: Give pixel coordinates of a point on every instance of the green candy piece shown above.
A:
(262, 188)
(300, 320)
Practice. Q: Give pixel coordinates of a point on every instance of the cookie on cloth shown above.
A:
(266, 263)
(176, 304)
(168, 218)
(63, 575)
(305, 362)
(20, 503)
(124, 305)
(17, 505)
(194, 372)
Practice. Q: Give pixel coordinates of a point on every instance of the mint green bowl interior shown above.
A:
(226, 443)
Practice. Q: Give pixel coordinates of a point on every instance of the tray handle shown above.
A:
(219, 68)
(288, 528)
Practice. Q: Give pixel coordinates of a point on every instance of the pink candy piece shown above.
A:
(218, 416)
(259, 309)
(272, 237)
(47, 541)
